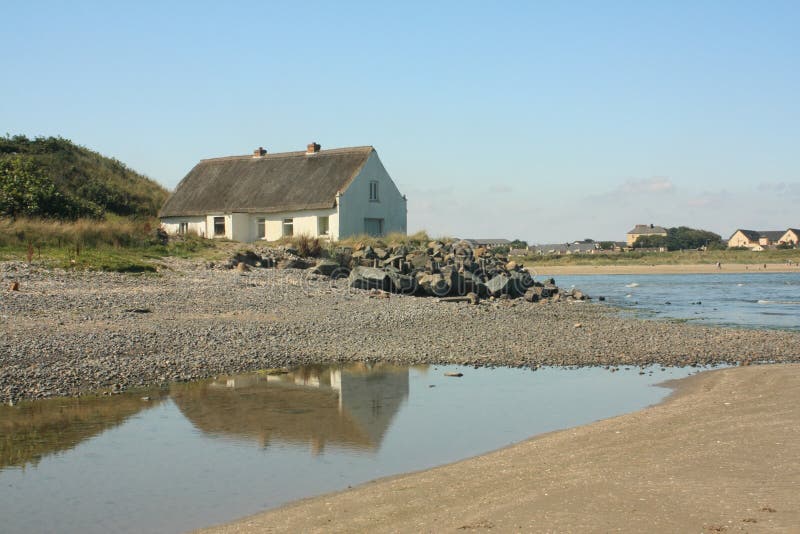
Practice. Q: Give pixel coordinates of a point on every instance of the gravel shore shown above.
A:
(67, 333)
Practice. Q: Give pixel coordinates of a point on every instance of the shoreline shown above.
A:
(545, 269)
(718, 453)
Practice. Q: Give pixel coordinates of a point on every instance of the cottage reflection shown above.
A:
(33, 430)
(349, 406)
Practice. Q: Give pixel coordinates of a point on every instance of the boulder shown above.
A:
(247, 257)
(293, 263)
(369, 278)
(325, 267)
(402, 283)
(418, 260)
(498, 285)
(435, 284)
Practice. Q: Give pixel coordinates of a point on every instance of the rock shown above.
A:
(242, 267)
(533, 294)
(498, 285)
(14, 286)
(418, 260)
(438, 284)
(402, 283)
(247, 257)
(472, 298)
(325, 267)
(292, 263)
(369, 278)
(456, 375)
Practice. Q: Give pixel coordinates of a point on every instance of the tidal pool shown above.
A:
(199, 454)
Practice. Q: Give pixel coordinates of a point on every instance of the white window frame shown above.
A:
(373, 191)
(327, 225)
(288, 227)
(261, 228)
(183, 228)
(224, 226)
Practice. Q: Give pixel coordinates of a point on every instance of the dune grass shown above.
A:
(113, 244)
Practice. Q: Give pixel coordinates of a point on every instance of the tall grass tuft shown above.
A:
(307, 246)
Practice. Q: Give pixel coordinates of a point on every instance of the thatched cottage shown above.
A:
(330, 194)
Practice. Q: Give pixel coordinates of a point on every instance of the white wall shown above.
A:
(304, 222)
(355, 205)
(197, 225)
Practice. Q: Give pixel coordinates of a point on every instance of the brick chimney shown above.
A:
(312, 148)
(259, 152)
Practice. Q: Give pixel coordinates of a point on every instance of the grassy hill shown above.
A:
(53, 177)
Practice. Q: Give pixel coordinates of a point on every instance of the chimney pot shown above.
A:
(259, 152)
(312, 148)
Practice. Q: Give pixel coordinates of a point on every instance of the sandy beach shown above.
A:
(545, 269)
(722, 454)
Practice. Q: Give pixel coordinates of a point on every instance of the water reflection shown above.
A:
(350, 406)
(32, 430)
(230, 447)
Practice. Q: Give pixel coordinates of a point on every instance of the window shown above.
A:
(219, 226)
(373, 227)
(261, 228)
(373, 191)
(323, 225)
(288, 227)
(183, 228)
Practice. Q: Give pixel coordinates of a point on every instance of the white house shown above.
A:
(330, 194)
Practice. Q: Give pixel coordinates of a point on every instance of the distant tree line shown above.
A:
(681, 238)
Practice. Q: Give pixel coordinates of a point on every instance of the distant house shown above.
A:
(644, 230)
(488, 243)
(756, 239)
(330, 194)
(790, 237)
(560, 249)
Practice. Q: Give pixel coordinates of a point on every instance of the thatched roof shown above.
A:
(289, 181)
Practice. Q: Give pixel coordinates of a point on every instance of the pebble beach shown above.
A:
(73, 333)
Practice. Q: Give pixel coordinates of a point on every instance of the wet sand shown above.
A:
(722, 454)
(700, 268)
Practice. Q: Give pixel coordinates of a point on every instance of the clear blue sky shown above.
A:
(547, 121)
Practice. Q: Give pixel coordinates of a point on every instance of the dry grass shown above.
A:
(419, 239)
(113, 244)
(115, 232)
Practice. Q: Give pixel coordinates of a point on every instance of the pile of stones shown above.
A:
(452, 271)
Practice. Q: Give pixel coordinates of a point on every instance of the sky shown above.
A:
(539, 120)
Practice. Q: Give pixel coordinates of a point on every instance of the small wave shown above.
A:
(634, 284)
(784, 302)
(739, 285)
